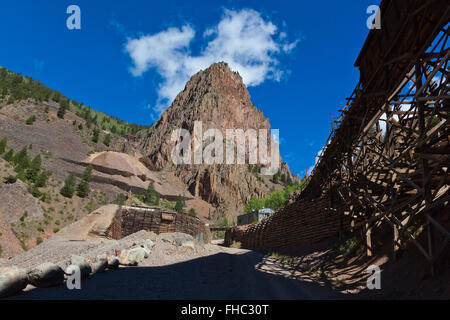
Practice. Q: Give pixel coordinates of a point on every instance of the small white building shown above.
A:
(254, 217)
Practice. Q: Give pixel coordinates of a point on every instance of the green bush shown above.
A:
(192, 212)
(275, 200)
(120, 199)
(10, 179)
(349, 246)
(39, 240)
(31, 120)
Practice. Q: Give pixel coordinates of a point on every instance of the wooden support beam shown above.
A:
(369, 240)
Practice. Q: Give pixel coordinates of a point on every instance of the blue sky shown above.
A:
(298, 60)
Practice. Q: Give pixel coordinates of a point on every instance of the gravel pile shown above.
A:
(47, 264)
(169, 248)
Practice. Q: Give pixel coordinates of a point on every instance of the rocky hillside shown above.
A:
(218, 97)
(36, 121)
(40, 122)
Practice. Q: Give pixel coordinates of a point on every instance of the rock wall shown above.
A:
(129, 220)
(219, 98)
(301, 222)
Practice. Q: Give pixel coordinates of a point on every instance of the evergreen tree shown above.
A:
(151, 196)
(276, 178)
(83, 188)
(9, 155)
(35, 168)
(95, 135)
(42, 179)
(21, 175)
(179, 206)
(87, 174)
(3, 143)
(69, 186)
(61, 112)
(192, 212)
(21, 160)
(107, 140)
(56, 96)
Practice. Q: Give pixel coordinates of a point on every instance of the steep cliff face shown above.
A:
(218, 97)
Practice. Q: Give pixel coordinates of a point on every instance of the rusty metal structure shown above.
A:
(387, 157)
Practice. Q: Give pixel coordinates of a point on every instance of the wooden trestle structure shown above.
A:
(387, 158)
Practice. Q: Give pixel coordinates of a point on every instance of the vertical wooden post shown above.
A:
(425, 168)
(395, 243)
(368, 239)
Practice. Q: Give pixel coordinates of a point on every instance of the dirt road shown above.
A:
(229, 274)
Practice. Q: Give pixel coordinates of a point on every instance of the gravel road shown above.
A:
(226, 273)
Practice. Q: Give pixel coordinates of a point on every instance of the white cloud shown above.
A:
(243, 39)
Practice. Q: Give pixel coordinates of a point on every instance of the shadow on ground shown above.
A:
(220, 276)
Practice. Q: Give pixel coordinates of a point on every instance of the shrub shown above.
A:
(34, 191)
(236, 245)
(31, 120)
(10, 179)
(39, 240)
(192, 212)
(349, 246)
(61, 112)
(120, 199)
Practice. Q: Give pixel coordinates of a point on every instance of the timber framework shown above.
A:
(387, 157)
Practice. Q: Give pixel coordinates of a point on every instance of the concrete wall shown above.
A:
(302, 222)
(129, 220)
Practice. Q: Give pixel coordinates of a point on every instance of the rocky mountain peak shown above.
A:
(218, 97)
